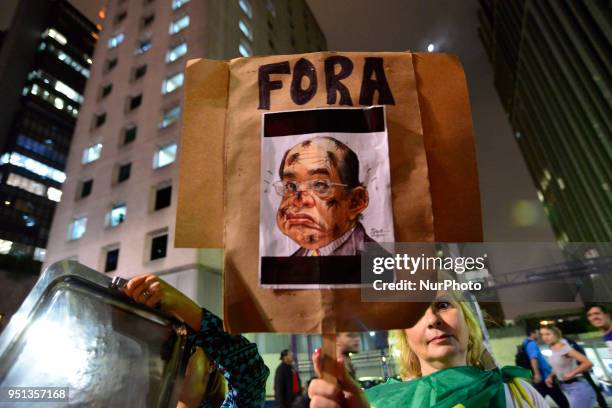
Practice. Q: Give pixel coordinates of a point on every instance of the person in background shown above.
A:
(601, 399)
(600, 318)
(287, 386)
(441, 357)
(348, 343)
(217, 357)
(568, 366)
(541, 370)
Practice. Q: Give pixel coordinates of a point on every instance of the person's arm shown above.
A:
(152, 291)
(584, 364)
(244, 368)
(537, 376)
(530, 349)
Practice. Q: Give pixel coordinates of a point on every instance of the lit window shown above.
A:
(115, 40)
(39, 254)
(244, 49)
(28, 221)
(246, 7)
(34, 166)
(92, 153)
(170, 116)
(172, 83)
(245, 30)
(164, 156)
(112, 259)
(54, 194)
(178, 25)
(43, 149)
(143, 46)
(5, 246)
(77, 228)
(61, 87)
(177, 4)
(117, 215)
(176, 52)
(26, 184)
(51, 32)
(56, 101)
(65, 58)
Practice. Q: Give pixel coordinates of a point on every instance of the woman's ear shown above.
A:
(358, 202)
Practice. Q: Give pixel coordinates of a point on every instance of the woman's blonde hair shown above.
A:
(555, 330)
(410, 366)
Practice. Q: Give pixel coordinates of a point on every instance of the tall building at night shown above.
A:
(117, 214)
(45, 58)
(552, 62)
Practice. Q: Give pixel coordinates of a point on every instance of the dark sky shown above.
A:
(511, 210)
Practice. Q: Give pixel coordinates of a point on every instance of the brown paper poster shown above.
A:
(270, 141)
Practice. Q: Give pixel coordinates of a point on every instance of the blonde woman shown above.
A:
(442, 356)
(568, 366)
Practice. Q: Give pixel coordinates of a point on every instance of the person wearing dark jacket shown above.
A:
(287, 385)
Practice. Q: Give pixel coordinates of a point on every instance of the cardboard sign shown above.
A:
(250, 117)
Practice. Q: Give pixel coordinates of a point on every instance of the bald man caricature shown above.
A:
(322, 198)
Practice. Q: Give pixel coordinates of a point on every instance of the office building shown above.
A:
(45, 59)
(117, 214)
(552, 63)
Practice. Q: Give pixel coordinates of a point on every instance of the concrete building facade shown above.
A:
(118, 211)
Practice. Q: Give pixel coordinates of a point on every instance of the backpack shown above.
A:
(521, 359)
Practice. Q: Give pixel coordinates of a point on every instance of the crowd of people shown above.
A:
(443, 362)
(565, 376)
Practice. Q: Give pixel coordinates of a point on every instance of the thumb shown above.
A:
(325, 367)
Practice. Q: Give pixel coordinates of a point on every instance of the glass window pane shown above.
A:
(176, 52)
(170, 116)
(115, 40)
(178, 25)
(245, 30)
(77, 228)
(165, 155)
(117, 215)
(34, 166)
(112, 259)
(246, 7)
(177, 4)
(244, 49)
(158, 247)
(92, 153)
(172, 83)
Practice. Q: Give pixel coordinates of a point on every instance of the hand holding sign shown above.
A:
(345, 393)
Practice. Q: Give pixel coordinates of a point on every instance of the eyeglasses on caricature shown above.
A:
(322, 188)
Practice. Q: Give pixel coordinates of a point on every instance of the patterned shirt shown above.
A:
(242, 366)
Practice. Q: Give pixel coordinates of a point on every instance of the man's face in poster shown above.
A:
(321, 194)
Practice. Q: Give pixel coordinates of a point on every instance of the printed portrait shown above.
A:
(325, 195)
